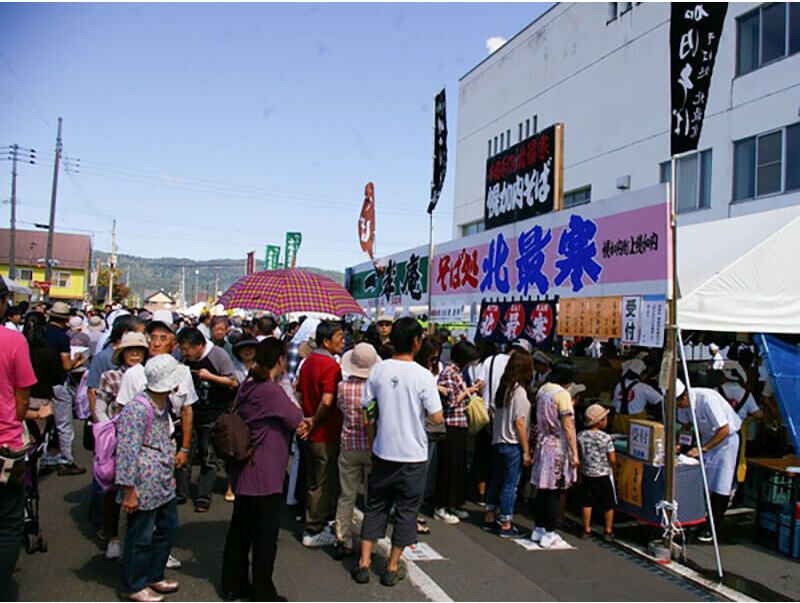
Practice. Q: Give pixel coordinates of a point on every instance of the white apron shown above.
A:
(720, 464)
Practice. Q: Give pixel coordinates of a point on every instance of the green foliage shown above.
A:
(148, 275)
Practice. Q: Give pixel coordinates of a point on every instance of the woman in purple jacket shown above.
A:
(258, 482)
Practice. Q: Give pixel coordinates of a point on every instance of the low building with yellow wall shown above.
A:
(71, 262)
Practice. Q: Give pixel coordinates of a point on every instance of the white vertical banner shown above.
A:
(631, 319)
(654, 314)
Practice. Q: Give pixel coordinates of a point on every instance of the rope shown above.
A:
(669, 522)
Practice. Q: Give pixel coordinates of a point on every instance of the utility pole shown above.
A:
(112, 264)
(28, 156)
(48, 269)
(182, 295)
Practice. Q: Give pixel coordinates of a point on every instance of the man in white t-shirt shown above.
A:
(398, 396)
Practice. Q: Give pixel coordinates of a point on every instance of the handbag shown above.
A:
(476, 413)
(88, 436)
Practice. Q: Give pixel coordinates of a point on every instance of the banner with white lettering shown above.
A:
(439, 149)
(695, 29)
(643, 321)
(522, 182)
(505, 321)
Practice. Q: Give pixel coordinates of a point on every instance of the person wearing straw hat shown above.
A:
(62, 405)
(718, 426)
(631, 396)
(598, 457)
(355, 452)
(144, 471)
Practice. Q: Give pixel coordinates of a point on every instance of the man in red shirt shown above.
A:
(16, 379)
(320, 431)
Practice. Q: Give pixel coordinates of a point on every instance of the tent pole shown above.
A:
(669, 415)
(700, 456)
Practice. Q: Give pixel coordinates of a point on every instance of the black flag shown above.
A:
(439, 150)
(695, 29)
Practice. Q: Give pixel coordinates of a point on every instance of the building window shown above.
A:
(765, 34)
(612, 12)
(25, 274)
(508, 138)
(535, 124)
(767, 164)
(527, 128)
(489, 150)
(519, 138)
(62, 279)
(694, 181)
(624, 7)
(495, 146)
(472, 228)
(578, 196)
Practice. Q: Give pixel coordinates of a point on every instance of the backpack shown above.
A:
(82, 398)
(104, 465)
(230, 436)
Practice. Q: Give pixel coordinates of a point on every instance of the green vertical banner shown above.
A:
(273, 257)
(293, 240)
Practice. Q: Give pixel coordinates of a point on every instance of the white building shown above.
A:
(603, 70)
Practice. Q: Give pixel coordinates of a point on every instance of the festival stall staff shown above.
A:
(631, 396)
(734, 390)
(718, 426)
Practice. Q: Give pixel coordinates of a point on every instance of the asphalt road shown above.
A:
(477, 565)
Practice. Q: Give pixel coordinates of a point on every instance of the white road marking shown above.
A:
(422, 581)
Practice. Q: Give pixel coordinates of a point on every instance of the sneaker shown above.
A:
(536, 535)
(608, 537)
(512, 532)
(71, 469)
(323, 538)
(490, 526)
(113, 550)
(549, 540)
(391, 578)
(174, 563)
(705, 536)
(460, 513)
(586, 535)
(442, 515)
(360, 574)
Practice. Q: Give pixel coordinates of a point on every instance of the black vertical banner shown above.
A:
(439, 150)
(695, 29)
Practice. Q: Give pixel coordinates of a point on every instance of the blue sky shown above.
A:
(209, 130)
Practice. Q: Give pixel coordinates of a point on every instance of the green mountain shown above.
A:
(146, 275)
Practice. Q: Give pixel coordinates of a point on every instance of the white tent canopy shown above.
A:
(17, 288)
(741, 274)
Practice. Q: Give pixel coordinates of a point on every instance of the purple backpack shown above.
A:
(104, 465)
(82, 398)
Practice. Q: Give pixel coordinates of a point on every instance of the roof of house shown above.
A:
(161, 292)
(71, 250)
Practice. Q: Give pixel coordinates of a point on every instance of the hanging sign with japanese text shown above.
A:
(293, 240)
(272, 257)
(505, 321)
(590, 317)
(643, 321)
(524, 180)
(402, 280)
(612, 247)
(695, 29)
(250, 263)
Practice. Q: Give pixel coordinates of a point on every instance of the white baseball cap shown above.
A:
(161, 317)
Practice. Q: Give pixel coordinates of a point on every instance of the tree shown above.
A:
(121, 290)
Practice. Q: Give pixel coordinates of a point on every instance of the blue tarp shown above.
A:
(783, 364)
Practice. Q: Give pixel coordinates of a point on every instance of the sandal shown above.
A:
(421, 520)
(422, 528)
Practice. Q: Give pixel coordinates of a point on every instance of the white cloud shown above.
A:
(493, 43)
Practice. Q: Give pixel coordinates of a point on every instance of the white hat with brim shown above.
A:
(164, 373)
(680, 388)
(59, 310)
(360, 360)
(635, 366)
(161, 318)
(385, 318)
(523, 345)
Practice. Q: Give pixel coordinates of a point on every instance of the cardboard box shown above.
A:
(643, 440)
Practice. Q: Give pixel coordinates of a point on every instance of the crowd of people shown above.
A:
(330, 412)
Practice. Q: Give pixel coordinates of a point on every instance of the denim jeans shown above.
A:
(148, 541)
(12, 505)
(506, 469)
(62, 414)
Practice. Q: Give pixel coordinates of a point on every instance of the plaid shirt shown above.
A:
(108, 389)
(348, 398)
(453, 381)
(292, 359)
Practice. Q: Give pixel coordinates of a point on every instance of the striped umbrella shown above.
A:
(290, 290)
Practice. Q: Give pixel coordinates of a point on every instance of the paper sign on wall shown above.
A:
(629, 480)
(590, 317)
